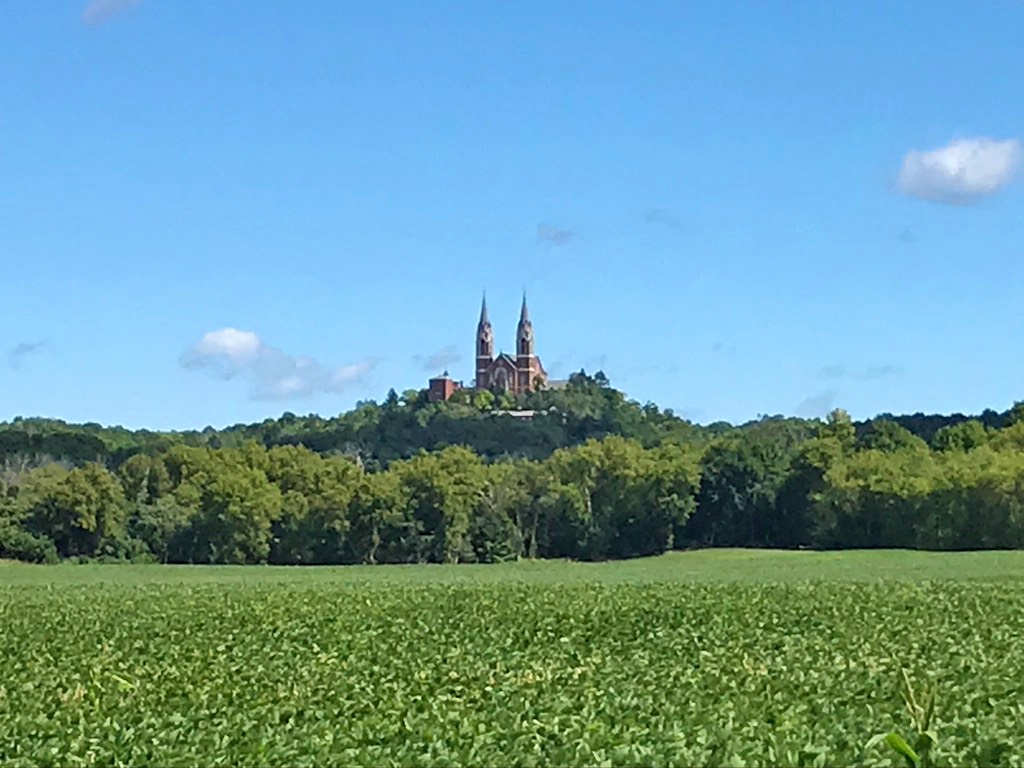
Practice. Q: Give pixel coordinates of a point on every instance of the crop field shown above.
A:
(704, 658)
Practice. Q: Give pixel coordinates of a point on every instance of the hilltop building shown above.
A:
(503, 372)
(442, 388)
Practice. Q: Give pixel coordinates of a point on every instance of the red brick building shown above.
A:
(505, 373)
(517, 374)
(442, 387)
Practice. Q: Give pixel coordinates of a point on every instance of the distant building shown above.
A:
(518, 415)
(517, 374)
(505, 373)
(442, 387)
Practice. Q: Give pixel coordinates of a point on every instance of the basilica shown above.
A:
(518, 374)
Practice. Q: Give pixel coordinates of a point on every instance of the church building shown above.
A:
(518, 374)
(505, 373)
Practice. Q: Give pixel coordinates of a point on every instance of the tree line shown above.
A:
(593, 476)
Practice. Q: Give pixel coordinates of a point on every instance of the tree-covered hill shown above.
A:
(379, 433)
(402, 425)
(590, 475)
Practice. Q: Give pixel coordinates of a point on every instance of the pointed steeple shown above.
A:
(484, 317)
(484, 345)
(524, 334)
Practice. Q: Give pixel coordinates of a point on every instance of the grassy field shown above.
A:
(704, 658)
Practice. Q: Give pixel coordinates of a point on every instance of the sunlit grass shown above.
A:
(710, 565)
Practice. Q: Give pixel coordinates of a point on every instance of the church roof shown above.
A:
(524, 313)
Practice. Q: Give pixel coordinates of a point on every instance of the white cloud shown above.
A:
(99, 11)
(275, 375)
(231, 344)
(961, 172)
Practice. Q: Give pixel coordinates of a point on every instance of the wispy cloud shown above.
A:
(442, 359)
(563, 367)
(838, 371)
(275, 375)
(906, 236)
(884, 371)
(664, 218)
(833, 372)
(557, 368)
(547, 233)
(626, 372)
(962, 172)
(99, 11)
(817, 405)
(26, 349)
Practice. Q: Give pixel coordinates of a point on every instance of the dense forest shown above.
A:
(592, 475)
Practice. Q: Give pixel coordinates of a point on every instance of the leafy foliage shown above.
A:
(725, 658)
(591, 476)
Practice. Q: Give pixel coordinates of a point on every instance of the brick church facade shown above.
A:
(518, 374)
(504, 373)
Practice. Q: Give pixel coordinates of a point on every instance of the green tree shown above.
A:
(82, 511)
(633, 501)
(483, 400)
(874, 498)
(316, 494)
(889, 437)
(161, 525)
(740, 479)
(233, 505)
(381, 526)
(443, 488)
(965, 436)
(839, 427)
(795, 522)
(493, 533)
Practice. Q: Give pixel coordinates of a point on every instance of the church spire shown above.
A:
(484, 318)
(484, 346)
(524, 334)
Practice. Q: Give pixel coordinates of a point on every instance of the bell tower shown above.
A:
(484, 346)
(525, 350)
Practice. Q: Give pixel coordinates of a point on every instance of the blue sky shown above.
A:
(211, 213)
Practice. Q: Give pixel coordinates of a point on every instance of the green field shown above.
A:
(725, 657)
